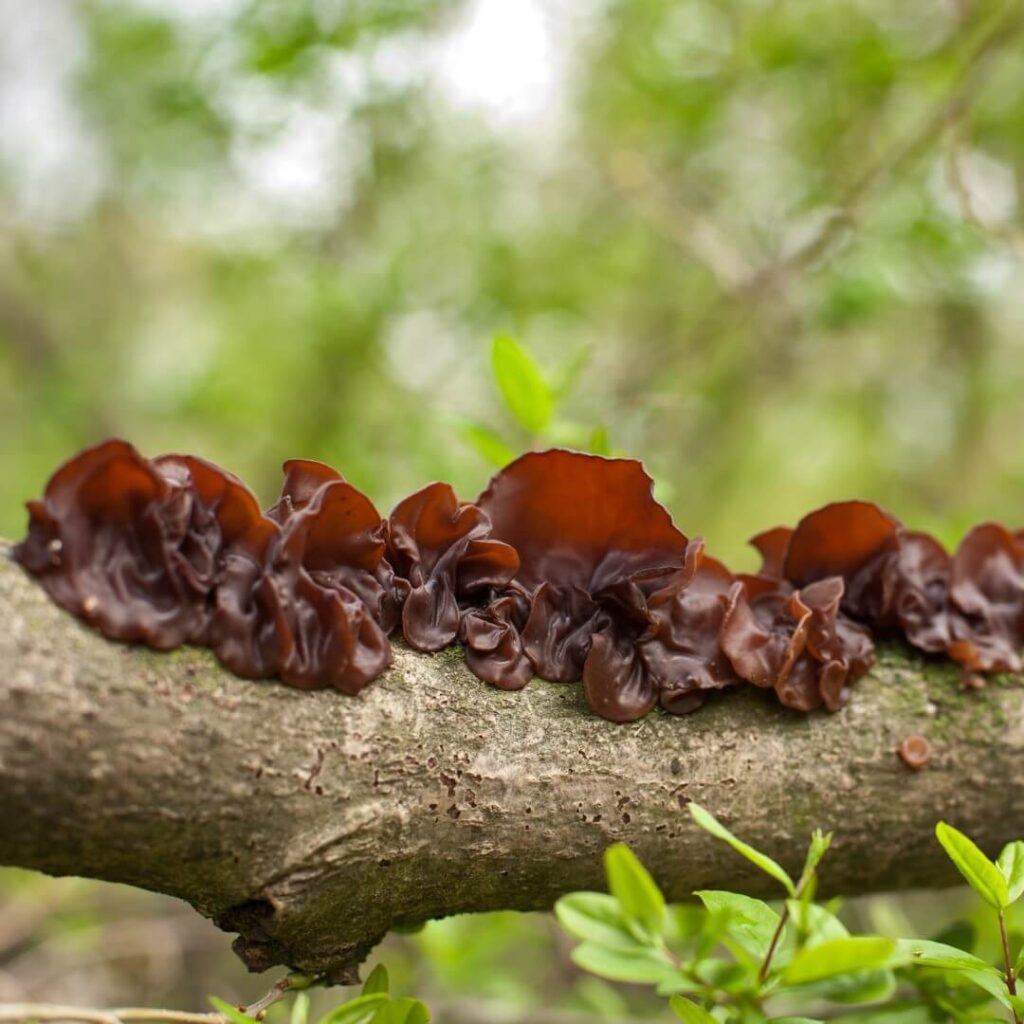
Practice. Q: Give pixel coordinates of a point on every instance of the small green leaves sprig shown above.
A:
(1000, 885)
(532, 398)
(373, 1005)
(735, 958)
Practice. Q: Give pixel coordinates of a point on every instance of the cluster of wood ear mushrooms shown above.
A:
(565, 567)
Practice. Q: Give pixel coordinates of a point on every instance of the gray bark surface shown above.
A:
(311, 823)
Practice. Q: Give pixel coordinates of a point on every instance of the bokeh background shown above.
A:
(772, 247)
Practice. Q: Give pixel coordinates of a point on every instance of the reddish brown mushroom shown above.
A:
(176, 550)
(795, 642)
(915, 752)
(987, 591)
(442, 553)
(128, 546)
(566, 566)
(594, 547)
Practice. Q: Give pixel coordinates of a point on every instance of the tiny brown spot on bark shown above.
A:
(915, 752)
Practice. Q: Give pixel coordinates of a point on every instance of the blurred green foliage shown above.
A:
(771, 247)
(776, 244)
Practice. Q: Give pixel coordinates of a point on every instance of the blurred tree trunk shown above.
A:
(311, 823)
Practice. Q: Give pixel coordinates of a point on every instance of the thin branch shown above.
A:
(971, 75)
(1001, 234)
(21, 1013)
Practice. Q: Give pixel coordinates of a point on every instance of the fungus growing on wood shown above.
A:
(616, 594)
(131, 546)
(796, 642)
(915, 752)
(970, 606)
(175, 550)
(442, 555)
(566, 567)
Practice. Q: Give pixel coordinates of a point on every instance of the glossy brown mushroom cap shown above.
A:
(580, 520)
(442, 552)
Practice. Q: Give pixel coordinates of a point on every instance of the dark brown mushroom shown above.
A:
(796, 642)
(987, 592)
(126, 545)
(442, 553)
(176, 550)
(566, 566)
(681, 647)
(594, 546)
(494, 646)
(915, 752)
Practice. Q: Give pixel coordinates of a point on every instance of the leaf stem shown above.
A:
(762, 974)
(1011, 981)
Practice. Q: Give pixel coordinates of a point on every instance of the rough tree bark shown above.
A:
(310, 823)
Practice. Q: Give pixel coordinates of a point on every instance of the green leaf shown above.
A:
(690, 1012)
(376, 981)
(402, 1011)
(875, 986)
(595, 917)
(751, 922)
(711, 934)
(361, 1010)
(995, 986)
(923, 953)
(674, 986)
(631, 884)
(684, 921)
(981, 874)
(643, 966)
(707, 821)
(815, 923)
(820, 842)
(838, 956)
(727, 975)
(232, 1013)
(527, 394)
(795, 1020)
(487, 442)
(1011, 864)
(300, 1009)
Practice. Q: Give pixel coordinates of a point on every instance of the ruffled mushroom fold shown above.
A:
(969, 606)
(176, 550)
(444, 563)
(565, 567)
(617, 596)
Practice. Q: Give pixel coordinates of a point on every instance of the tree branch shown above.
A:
(313, 822)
